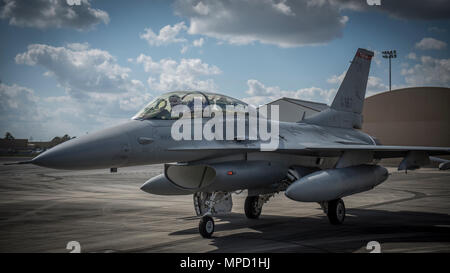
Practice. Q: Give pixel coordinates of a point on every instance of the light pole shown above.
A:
(389, 54)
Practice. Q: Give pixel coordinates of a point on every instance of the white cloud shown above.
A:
(98, 91)
(201, 8)
(337, 79)
(374, 84)
(51, 14)
(283, 8)
(430, 43)
(25, 114)
(198, 42)
(291, 23)
(411, 56)
(21, 113)
(78, 46)
(261, 94)
(167, 35)
(377, 57)
(80, 68)
(18, 103)
(91, 112)
(184, 49)
(429, 71)
(170, 75)
(407, 9)
(287, 23)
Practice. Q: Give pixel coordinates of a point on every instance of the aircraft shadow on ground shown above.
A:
(273, 233)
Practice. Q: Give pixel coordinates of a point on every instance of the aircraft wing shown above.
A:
(379, 151)
(413, 156)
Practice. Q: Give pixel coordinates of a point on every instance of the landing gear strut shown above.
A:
(208, 205)
(336, 211)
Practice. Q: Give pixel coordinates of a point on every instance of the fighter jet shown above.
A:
(320, 159)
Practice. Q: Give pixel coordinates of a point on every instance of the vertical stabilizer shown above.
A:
(351, 93)
(347, 106)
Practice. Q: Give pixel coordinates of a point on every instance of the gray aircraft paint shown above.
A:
(327, 140)
(332, 184)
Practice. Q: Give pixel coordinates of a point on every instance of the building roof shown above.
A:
(410, 90)
(316, 106)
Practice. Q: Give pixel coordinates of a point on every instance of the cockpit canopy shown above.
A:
(161, 107)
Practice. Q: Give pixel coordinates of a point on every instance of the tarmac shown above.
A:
(42, 210)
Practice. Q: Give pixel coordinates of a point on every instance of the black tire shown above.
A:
(206, 227)
(251, 207)
(336, 211)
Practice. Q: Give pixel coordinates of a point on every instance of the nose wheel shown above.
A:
(336, 211)
(206, 226)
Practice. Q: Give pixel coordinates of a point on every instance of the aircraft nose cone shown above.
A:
(105, 149)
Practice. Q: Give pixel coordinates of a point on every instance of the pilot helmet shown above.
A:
(174, 100)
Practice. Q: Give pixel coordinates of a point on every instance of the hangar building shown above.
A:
(292, 110)
(418, 116)
(410, 116)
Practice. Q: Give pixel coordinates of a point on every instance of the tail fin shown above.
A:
(347, 106)
(351, 93)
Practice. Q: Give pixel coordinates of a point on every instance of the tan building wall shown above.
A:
(410, 116)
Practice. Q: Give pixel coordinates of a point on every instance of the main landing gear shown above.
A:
(253, 205)
(335, 210)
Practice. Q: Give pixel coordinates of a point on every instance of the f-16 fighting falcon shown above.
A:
(211, 152)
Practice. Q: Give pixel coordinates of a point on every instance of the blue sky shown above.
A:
(76, 69)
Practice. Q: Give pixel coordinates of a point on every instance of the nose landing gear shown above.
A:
(208, 205)
(206, 226)
(211, 204)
